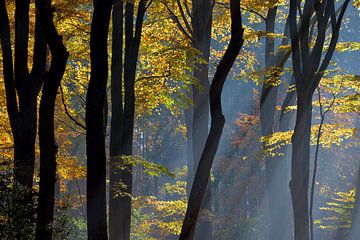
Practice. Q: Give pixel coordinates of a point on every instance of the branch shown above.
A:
(334, 39)
(182, 13)
(177, 22)
(67, 111)
(187, 8)
(294, 35)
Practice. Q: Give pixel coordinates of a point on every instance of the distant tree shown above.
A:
(309, 66)
(275, 169)
(217, 123)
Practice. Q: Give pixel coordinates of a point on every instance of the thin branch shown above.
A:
(247, 9)
(322, 119)
(67, 111)
(69, 126)
(182, 13)
(177, 22)
(187, 8)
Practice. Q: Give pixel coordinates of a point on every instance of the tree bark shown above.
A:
(121, 219)
(116, 119)
(95, 138)
(48, 147)
(217, 123)
(309, 67)
(22, 88)
(300, 168)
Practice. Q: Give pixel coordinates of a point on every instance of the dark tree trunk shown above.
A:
(122, 203)
(217, 123)
(48, 147)
(300, 167)
(309, 68)
(22, 89)
(24, 139)
(116, 119)
(95, 138)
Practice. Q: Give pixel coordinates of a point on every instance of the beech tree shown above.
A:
(309, 67)
(195, 23)
(275, 169)
(48, 147)
(122, 122)
(22, 88)
(95, 124)
(217, 123)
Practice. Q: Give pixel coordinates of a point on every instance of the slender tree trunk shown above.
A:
(267, 120)
(217, 123)
(275, 168)
(201, 24)
(132, 45)
(299, 184)
(95, 138)
(287, 118)
(116, 119)
(48, 147)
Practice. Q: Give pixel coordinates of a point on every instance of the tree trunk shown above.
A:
(22, 89)
(299, 184)
(132, 45)
(201, 24)
(48, 147)
(116, 120)
(217, 123)
(95, 138)
(283, 165)
(267, 120)
(309, 68)
(275, 167)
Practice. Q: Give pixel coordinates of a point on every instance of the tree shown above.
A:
(122, 123)
(22, 89)
(48, 147)
(217, 123)
(309, 68)
(275, 169)
(95, 125)
(116, 117)
(198, 31)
